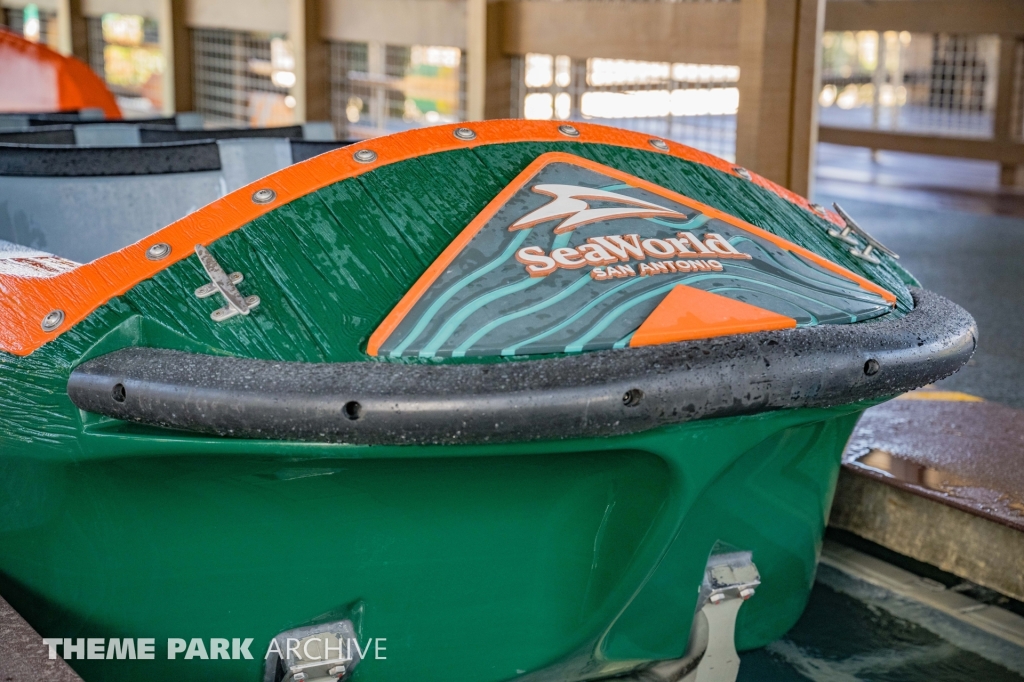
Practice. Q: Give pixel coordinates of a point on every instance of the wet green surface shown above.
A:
(585, 554)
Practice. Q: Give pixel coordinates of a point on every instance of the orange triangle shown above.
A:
(688, 313)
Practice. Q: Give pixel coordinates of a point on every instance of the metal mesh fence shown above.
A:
(694, 104)
(96, 44)
(937, 84)
(124, 50)
(378, 89)
(17, 20)
(233, 78)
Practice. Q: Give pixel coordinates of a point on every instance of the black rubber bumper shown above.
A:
(592, 394)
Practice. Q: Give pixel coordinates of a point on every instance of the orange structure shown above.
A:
(34, 78)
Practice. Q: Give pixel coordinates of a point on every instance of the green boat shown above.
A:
(503, 401)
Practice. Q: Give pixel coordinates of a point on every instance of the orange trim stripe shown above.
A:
(406, 304)
(82, 290)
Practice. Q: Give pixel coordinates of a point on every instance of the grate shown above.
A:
(234, 76)
(15, 19)
(939, 84)
(694, 104)
(378, 88)
(96, 44)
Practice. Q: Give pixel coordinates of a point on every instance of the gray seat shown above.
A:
(81, 203)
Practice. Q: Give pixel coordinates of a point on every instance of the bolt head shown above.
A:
(263, 196)
(742, 172)
(568, 130)
(365, 156)
(464, 134)
(660, 145)
(158, 251)
(52, 320)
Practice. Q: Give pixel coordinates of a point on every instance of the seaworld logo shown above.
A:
(570, 203)
(608, 250)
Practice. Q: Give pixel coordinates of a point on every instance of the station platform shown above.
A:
(936, 476)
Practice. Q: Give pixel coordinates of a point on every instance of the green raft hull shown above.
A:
(475, 563)
(548, 558)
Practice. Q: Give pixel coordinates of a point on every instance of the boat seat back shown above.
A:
(82, 203)
(82, 218)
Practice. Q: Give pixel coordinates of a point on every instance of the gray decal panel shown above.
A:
(487, 303)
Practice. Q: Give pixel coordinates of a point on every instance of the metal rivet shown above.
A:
(464, 134)
(871, 367)
(53, 320)
(568, 130)
(818, 208)
(365, 156)
(659, 144)
(263, 196)
(158, 251)
(742, 172)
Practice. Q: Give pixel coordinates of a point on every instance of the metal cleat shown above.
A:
(224, 284)
(319, 653)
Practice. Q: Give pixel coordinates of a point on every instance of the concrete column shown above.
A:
(72, 35)
(312, 89)
(1005, 128)
(498, 93)
(476, 59)
(176, 48)
(780, 74)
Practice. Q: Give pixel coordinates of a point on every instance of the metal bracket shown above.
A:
(872, 243)
(729, 580)
(224, 284)
(318, 653)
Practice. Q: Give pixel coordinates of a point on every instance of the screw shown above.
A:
(742, 172)
(568, 130)
(53, 320)
(871, 367)
(817, 208)
(158, 251)
(365, 156)
(632, 397)
(464, 134)
(660, 145)
(263, 196)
